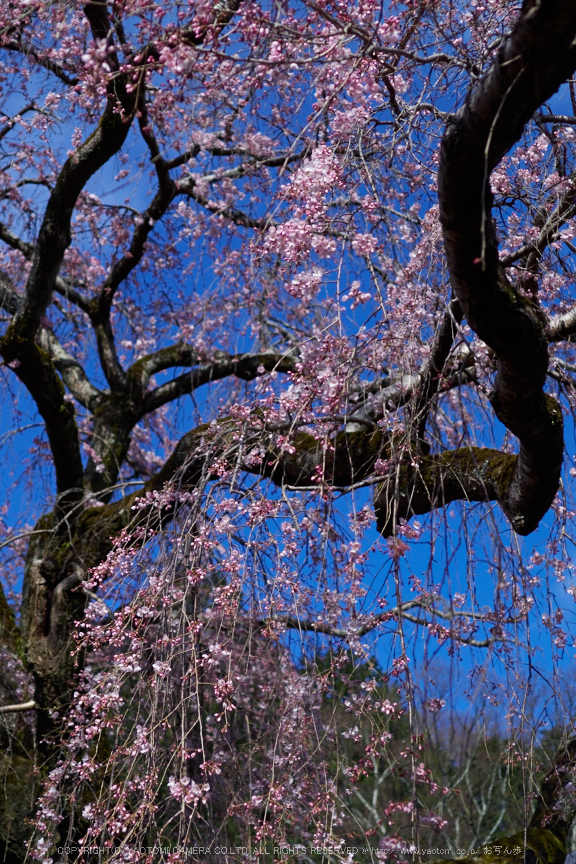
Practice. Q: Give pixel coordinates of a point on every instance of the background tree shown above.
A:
(227, 235)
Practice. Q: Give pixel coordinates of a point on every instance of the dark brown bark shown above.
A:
(54, 235)
(414, 484)
(532, 63)
(17, 346)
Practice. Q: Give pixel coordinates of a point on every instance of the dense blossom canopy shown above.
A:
(288, 317)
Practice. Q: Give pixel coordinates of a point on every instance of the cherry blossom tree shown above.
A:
(287, 351)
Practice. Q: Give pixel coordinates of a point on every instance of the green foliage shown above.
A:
(475, 779)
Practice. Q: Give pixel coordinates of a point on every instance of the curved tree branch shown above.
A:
(549, 225)
(424, 483)
(188, 185)
(366, 624)
(530, 66)
(431, 374)
(31, 362)
(72, 372)
(45, 62)
(37, 371)
(415, 484)
(179, 354)
(54, 236)
(244, 366)
(14, 709)
(119, 272)
(115, 415)
(15, 242)
(562, 327)
(70, 369)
